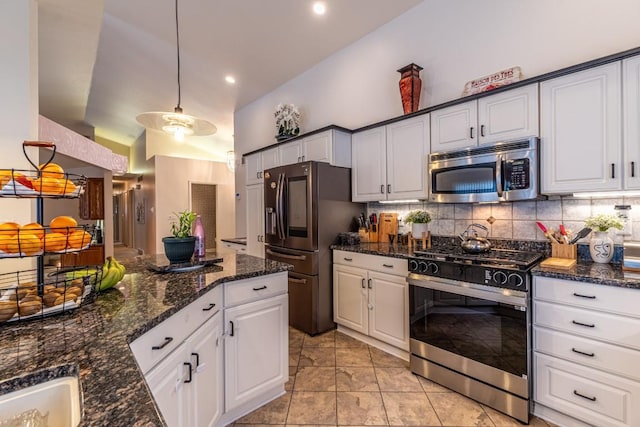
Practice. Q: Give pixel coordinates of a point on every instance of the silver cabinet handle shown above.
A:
(287, 256)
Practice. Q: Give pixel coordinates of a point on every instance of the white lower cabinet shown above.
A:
(369, 301)
(222, 356)
(586, 353)
(186, 384)
(256, 349)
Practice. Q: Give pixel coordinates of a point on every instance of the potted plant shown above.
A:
(418, 220)
(287, 121)
(179, 247)
(601, 245)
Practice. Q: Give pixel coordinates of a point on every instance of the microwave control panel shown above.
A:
(517, 174)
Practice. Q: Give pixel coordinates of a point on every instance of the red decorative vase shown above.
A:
(410, 86)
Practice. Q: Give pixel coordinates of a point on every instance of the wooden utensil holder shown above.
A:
(373, 235)
(564, 251)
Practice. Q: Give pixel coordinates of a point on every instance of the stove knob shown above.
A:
(423, 267)
(499, 277)
(515, 280)
(433, 267)
(413, 265)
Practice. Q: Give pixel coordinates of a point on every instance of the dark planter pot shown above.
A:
(179, 250)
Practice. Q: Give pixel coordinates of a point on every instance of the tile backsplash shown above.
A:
(516, 220)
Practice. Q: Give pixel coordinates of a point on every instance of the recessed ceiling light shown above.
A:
(319, 8)
(230, 79)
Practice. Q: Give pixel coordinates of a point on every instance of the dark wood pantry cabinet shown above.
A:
(92, 200)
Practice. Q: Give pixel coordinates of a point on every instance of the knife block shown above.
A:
(562, 256)
(373, 235)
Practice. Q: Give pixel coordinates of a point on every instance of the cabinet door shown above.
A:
(253, 168)
(290, 153)
(256, 349)
(454, 127)
(350, 298)
(318, 147)
(207, 386)
(508, 115)
(167, 384)
(407, 150)
(92, 200)
(581, 142)
(631, 95)
(255, 220)
(369, 171)
(269, 159)
(389, 308)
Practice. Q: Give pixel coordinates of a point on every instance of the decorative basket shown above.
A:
(47, 240)
(36, 183)
(22, 298)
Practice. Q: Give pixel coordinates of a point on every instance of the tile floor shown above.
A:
(336, 380)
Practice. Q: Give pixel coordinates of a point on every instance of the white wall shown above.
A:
(455, 41)
(19, 108)
(172, 182)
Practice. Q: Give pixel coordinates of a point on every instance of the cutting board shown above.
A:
(563, 263)
(388, 224)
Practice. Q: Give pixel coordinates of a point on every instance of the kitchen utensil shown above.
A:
(580, 234)
(473, 243)
(546, 232)
(565, 235)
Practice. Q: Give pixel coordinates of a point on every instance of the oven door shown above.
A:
(479, 331)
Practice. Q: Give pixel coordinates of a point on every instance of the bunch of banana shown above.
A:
(112, 273)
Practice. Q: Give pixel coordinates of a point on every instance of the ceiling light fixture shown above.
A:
(319, 8)
(230, 79)
(176, 123)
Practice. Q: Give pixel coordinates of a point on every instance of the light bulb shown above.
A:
(179, 134)
(319, 8)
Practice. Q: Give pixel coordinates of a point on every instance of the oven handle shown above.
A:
(499, 187)
(490, 293)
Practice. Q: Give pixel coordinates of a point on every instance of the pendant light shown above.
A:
(176, 123)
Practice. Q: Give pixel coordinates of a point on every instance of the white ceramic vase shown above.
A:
(601, 247)
(418, 229)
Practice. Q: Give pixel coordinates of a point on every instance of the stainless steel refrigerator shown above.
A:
(306, 206)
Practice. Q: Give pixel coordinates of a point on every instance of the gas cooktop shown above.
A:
(507, 258)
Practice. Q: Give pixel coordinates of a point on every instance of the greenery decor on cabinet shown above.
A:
(601, 245)
(287, 121)
(179, 247)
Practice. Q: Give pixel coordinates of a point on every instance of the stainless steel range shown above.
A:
(470, 323)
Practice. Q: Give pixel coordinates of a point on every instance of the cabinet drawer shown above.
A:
(389, 265)
(602, 326)
(595, 397)
(169, 334)
(580, 294)
(617, 360)
(247, 290)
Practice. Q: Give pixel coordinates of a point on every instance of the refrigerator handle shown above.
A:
(280, 207)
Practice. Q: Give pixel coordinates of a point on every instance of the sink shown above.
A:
(60, 397)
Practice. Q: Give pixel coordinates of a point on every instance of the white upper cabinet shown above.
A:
(580, 128)
(454, 127)
(389, 161)
(331, 146)
(501, 117)
(631, 108)
(257, 163)
(508, 115)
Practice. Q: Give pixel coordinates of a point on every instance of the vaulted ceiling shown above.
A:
(101, 63)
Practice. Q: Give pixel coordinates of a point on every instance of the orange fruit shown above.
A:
(69, 187)
(9, 228)
(51, 170)
(63, 224)
(79, 239)
(4, 239)
(28, 244)
(48, 185)
(5, 176)
(32, 228)
(54, 242)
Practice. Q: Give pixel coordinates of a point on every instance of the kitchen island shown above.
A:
(94, 340)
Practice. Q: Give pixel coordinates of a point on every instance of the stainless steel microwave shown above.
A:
(505, 171)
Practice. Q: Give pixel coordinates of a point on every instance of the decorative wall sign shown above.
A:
(492, 81)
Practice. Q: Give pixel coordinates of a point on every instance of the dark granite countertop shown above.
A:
(93, 340)
(237, 240)
(584, 271)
